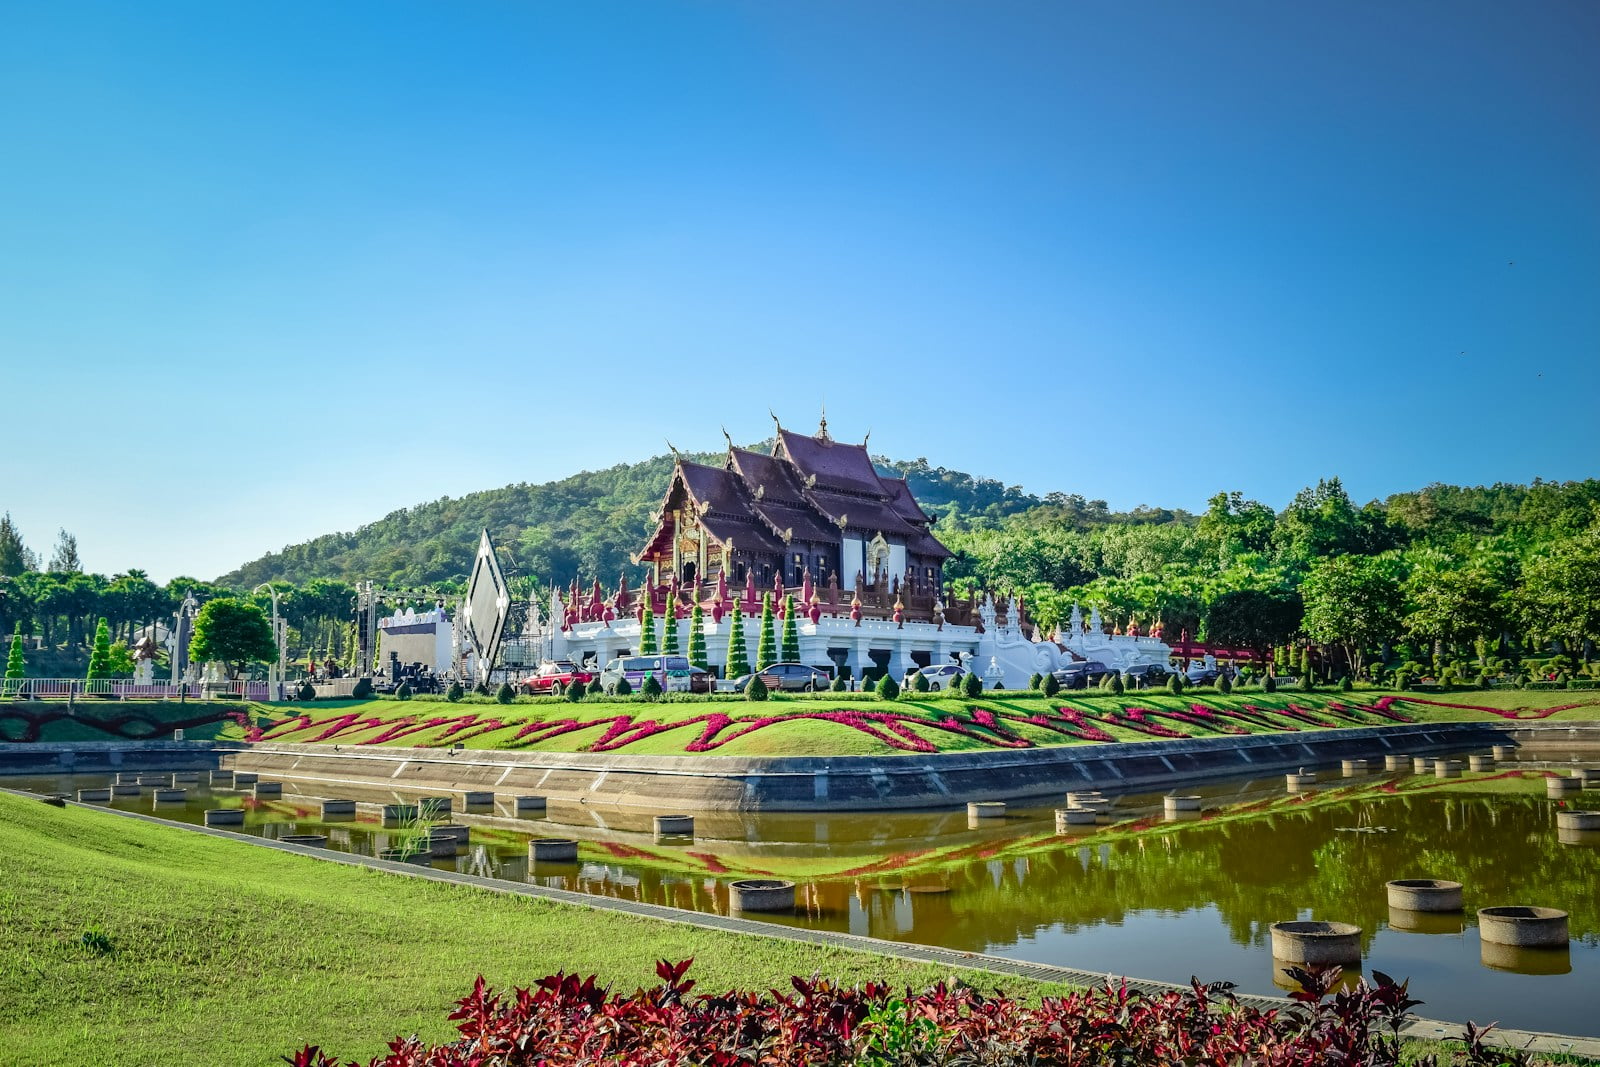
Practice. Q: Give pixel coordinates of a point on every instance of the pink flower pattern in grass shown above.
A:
(1507, 713)
(904, 731)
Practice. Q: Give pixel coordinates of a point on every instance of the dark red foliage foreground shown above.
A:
(566, 1020)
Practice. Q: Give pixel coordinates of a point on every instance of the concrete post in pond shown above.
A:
(1447, 768)
(986, 809)
(1503, 752)
(524, 805)
(1523, 925)
(224, 817)
(1175, 803)
(1480, 763)
(1315, 943)
(1074, 817)
(761, 894)
(1561, 787)
(268, 790)
(429, 808)
(222, 778)
(553, 850)
(1585, 821)
(398, 814)
(1424, 894)
(478, 799)
(126, 789)
(1352, 767)
(170, 796)
(309, 840)
(1421, 765)
(1396, 762)
(674, 825)
(338, 809)
(1301, 779)
(244, 778)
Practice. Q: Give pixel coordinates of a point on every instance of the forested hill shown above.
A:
(585, 525)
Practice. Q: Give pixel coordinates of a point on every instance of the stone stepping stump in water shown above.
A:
(222, 778)
(1523, 926)
(268, 790)
(1480, 763)
(1561, 787)
(1300, 780)
(153, 780)
(338, 809)
(524, 805)
(1174, 803)
(986, 809)
(309, 840)
(1424, 894)
(1316, 943)
(1070, 817)
(674, 825)
(95, 796)
(1352, 767)
(186, 778)
(430, 808)
(761, 894)
(1447, 768)
(477, 800)
(169, 796)
(224, 817)
(1396, 762)
(1503, 752)
(398, 814)
(1421, 765)
(553, 850)
(244, 778)
(1582, 821)
(126, 789)
(406, 855)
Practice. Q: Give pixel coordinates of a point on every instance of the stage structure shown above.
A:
(814, 521)
(485, 610)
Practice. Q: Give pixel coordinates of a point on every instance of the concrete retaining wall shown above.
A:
(842, 783)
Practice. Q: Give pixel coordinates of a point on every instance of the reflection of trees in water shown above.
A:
(1253, 871)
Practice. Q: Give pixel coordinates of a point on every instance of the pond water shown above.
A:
(1138, 895)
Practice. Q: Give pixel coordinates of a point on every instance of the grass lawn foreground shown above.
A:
(228, 953)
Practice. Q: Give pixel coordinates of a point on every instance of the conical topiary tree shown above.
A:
(16, 667)
(647, 624)
(791, 631)
(888, 688)
(971, 684)
(697, 637)
(1049, 685)
(669, 629)
(738, 657)
(767, 647)
(100, 657)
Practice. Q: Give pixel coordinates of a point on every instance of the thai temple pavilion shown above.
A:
(813, 524)
(814, 506)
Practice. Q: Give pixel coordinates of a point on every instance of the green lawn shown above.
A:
(228, 953)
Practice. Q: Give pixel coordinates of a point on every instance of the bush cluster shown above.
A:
(567, 1020)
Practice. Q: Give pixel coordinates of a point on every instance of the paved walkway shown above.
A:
(1417, 1028)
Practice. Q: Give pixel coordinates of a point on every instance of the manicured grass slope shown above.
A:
(228, 953)
(765, 729)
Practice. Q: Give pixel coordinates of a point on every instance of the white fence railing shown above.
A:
(123, 689)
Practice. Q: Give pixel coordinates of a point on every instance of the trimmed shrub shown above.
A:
(1269, 684)
(919, 682)
(888, 688)
(363, 689)
(1049, 685)
(454, 693)
(403, 691)
(650, 688)
(1346, 685)
(505, 694)
(596, 689)
(575, 692)
(1174, 683)
(1116, 684)
(1224, 685)
(971, 684)
(1035, 680)
(840, 685)
(307, 691)
(624, 687)
(755, 688)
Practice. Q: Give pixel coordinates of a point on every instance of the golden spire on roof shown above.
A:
(822, 428)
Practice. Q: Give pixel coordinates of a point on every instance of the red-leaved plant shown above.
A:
(566, 1020)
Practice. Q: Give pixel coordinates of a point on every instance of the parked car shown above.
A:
(1145, 675)
(675, 673)
(788, 677)
(1081, 675)
(1200, 674)
(554, 676)
(942, 675)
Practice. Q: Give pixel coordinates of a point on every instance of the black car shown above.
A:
(1145, 675)
(1081, 675)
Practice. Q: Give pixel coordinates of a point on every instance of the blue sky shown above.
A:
(272, 270)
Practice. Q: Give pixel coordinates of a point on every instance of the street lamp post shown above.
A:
(280, 668)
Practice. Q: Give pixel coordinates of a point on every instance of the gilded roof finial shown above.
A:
(727, 438)
(822, 428)
(673, 449)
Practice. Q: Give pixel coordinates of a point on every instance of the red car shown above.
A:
(554, 676)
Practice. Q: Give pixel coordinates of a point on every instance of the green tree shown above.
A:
(697, 637)
(1253, 619)
(232, 632)
(766, 648)
(505, 694)
(1560, 595)
(755, 688)
(738, 657)
(647, 624)
(100, 656)
(669, 629)
(1353, 602)
(1049, 685)
(14, 555)
(971, 684)
(16, 666)
(120, 661)
(888, 688)
(791, 631)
